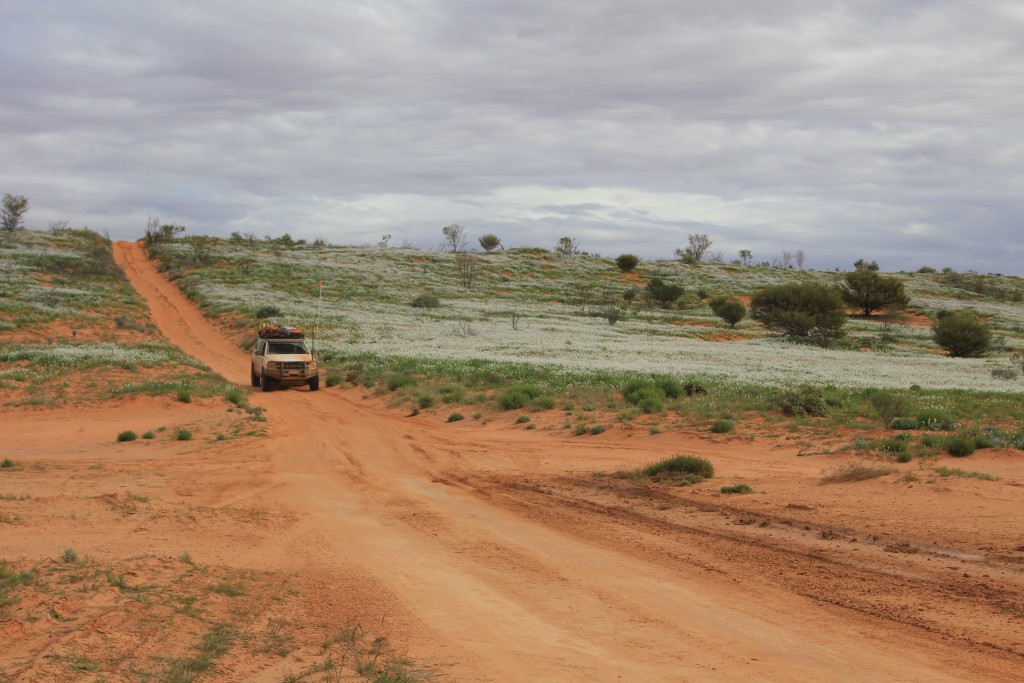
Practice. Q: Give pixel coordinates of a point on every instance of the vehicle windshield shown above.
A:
(281, 348)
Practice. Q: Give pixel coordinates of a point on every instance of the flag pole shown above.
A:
(319, 305)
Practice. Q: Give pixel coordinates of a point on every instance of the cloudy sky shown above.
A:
(884, 129)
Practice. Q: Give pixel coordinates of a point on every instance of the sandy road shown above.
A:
(499, 568)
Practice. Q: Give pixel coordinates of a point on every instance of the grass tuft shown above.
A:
(855, 471)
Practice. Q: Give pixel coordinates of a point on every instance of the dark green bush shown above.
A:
(183, 435)
(267, 312)
(868, 291)
(963, 334)
(333, 377)
(680, 464)
(804, 310)
(127, 435)
(512, 399)
(522, 419)
(455, 417)
(425, 301)
(888, 404)
(627, 262)
(662, 293)
(7, 462)
(728, 309)
(737, 488)
(959, 446)
(895, 445)
(426, 400)
(597, 429)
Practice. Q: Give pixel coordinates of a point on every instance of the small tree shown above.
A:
(466, 265)
(728, 309)
(800, 258)
(157, 232)
(804, 310)
(861, 264)
(490, 242)
(697, 245)
(627, 262)
(568, 246)
(868, 291)
(12, 216)
(662, 293)
(890, 405)
(746, 256)
(963, 334)
(454, 237)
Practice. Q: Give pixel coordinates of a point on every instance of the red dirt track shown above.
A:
(495, 555)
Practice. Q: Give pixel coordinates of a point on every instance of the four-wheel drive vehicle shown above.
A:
(280, 357)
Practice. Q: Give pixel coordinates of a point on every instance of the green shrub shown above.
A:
(728, 309)
(455, 417)
(7, 462)
(722, 426)
(580, 430)
(894, 445)
(932, 441)
(963, 334)
(597, 429)
(425, 401)
(69, 555)
(803, 310)
(670, 386)
(425, 301)
(266, 312)
(148, 435)
(522, 419)
(983, 441)
(236, 396)
(889, 404)
(399, 380)
(127, 435)
(183, 435)
(737, 488)
(868, 291)
(333, 377)
(905, 456)
(959, 446)
(805, 400)
(452, 393)
(544, 403)
(627, 262)
(662, 293)
(935, 420)
(520, 396)
(680, 464)
(903, 423)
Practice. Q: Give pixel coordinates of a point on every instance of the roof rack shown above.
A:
(268, 331)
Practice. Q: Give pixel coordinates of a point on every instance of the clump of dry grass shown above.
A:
(854, 471)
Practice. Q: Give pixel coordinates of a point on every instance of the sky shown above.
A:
(890, 131)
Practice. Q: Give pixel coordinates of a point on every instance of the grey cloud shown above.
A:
(824, 126)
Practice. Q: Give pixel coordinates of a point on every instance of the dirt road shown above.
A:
(496, 556)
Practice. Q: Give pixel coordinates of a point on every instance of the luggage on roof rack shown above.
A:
(268, 331)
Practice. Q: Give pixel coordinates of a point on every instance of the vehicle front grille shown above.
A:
(293, 365)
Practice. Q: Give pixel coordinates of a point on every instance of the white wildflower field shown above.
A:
(521, 308)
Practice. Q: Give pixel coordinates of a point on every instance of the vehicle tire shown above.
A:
(253, 377)
(265, 383)
(314, 383)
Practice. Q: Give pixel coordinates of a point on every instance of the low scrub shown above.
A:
(855, 471)
(805, 400)
(960, 446)
(956, 472)
(722, 426)
(680, 470)
(127, 435)
(737, 488)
